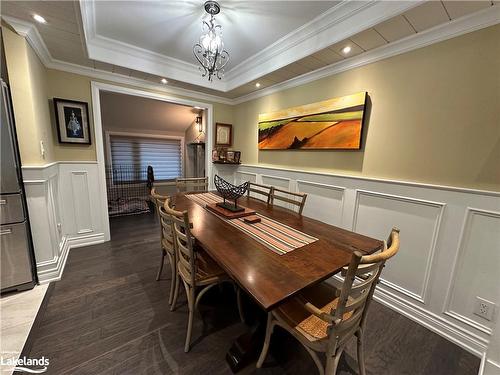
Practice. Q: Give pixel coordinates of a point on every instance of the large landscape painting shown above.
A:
(331, 124)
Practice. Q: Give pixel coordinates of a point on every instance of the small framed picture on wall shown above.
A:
(72, 121)
(223, 134)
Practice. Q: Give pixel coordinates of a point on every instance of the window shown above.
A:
(134, 154)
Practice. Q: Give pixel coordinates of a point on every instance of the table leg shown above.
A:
(246, 348)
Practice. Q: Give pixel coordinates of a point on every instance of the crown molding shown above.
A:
(479, 20)
(30, 32)
(335, 25)
(109, 50)
(484, 18)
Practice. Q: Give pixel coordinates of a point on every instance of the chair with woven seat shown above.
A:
(191, 184)
(158, 201)
(195, 268)
(261, 190)
(296, 199)
(323, 318)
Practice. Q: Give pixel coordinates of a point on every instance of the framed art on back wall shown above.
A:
(223, 134)
(72, 121)
(334, 124)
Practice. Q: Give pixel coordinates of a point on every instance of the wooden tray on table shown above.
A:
(230, 214)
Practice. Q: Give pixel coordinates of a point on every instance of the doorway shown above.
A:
(119, 130)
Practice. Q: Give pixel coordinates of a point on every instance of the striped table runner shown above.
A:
(278, 237)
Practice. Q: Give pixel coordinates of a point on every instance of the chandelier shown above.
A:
(209, 51)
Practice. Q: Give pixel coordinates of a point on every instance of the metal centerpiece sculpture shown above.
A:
(230, 192)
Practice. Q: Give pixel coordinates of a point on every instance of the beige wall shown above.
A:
(73, 87)
(78, 87)
(435, 116)
(28, 81)
(34, 87)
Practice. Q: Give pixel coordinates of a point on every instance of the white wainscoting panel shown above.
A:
(64, 207)
(81, 201)
(241, 177)
(42, 216)
(479, 252)
(422, 282)
(376, 213)
(324, 202)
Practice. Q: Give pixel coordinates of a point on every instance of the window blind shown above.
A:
(163, 154)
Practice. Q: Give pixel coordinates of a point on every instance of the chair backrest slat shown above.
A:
(297, 199)
(260, 190)
(191, 184)
(186, 258)
(357, 290)
(158, 200)
(167, 229)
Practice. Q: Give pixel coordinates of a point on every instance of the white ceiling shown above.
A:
(123, 112)
(132, 42)
(171, 28)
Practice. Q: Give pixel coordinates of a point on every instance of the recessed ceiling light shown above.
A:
(257, 84)
(164, 81)
(196, 107)
(346, 50)
(39, 18)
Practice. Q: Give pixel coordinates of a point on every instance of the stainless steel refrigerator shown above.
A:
(18, 271)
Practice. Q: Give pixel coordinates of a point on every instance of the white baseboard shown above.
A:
(55, 273)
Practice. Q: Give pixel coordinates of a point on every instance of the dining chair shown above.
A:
(166, 247)
(323, 318)
(169, 244)
(261, 190)
(296, 199)
(195, 268)
(191, 184)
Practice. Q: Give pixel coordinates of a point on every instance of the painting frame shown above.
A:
(223, 134)
(237, 156)
(72, 121)
(333, 124)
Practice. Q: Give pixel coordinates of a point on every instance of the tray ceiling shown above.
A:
(170, 28)
(308, 39)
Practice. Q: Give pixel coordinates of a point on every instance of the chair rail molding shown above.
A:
(431, 219)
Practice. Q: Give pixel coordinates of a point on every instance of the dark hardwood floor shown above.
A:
(108, 315)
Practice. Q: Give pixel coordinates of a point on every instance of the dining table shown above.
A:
(268, 277)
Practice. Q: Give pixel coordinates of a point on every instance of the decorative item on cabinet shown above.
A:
(223, 156)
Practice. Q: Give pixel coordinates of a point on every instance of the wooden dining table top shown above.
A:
(268, 277)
